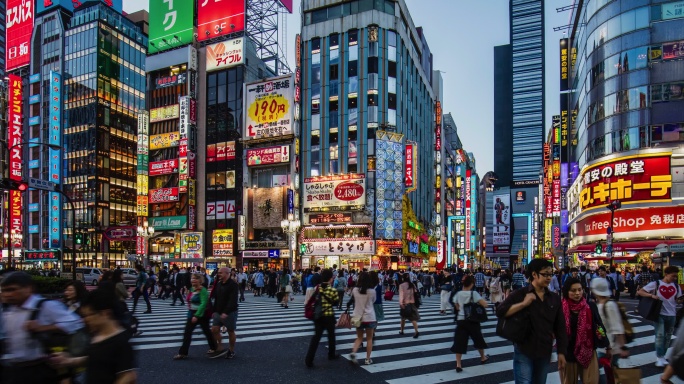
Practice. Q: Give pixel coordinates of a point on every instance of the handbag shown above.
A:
(474, 312)
(649, 308)
(627, 375)
(344, 321)
(356, 321)
(515, 328)
(416, 298)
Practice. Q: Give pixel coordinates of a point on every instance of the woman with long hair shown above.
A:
(198, 300)
(408, 310)
(377, 304)
(285, 287)
(496, 294)
(465, 328)
(364, 296)
(506, 282)
(581, 322)
(74, 293)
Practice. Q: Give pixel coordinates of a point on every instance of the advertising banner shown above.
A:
(170, 81)
(18, 30)
(168, 112)
(225, 54)
(163, 195)
(548, 230)
(390, 164)
(142, 206)
(556, 198)
(217, 18)
(408, 160)
(221, 151)
(631, 179)
(15, 111)
(168, 223)
(171, 24)
(673, 10)
(188, 117)
(414, 168)
(55, 118)
(268, 155)
(141, 245)
(329, 218)
(645, 222)
(164, 167)
(219, 210)
(343, 192)
(564, 67)
(502, 220)
(339, 248)
(269, 108)
(267, 207)
(191, 245)
(222, 240)
(142, 185)
(164, 140)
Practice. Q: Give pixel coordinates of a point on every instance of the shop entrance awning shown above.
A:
(626, 246)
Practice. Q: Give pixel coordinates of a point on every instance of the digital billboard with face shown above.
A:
(171, 24)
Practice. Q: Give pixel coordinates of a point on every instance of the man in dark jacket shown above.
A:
(225, 312)
(531, 358)
(177, 282)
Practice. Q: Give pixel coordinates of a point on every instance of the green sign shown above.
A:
(170, 24)
(168, 223)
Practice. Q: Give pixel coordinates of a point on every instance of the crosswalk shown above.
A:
(397, 359)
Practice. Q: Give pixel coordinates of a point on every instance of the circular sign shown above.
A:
(348, 191)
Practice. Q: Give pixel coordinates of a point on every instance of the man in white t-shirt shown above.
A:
(668, 291)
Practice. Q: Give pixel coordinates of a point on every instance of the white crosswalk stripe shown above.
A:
(397, 358)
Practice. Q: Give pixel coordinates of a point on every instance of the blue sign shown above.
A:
(212, 266)
(72, 5)
(609, 249)
(55, 157)
(413, 247)
(34, 78)
(290, 202)
(34, 99)
(35, 120)
(34, 207)
(33, 164)
(274, 253)
(33, 229)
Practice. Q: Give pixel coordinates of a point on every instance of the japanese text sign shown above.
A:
(268, 155)
(19, 27)
(334, 192)
(163, 167)
(171, 24)
(225, 54)
(163, 195)
(219, 17)
(222, 240)
(269, 108)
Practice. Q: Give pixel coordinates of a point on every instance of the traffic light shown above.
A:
(599, 248)
(13, 185)
(79, 238)
(302, 248)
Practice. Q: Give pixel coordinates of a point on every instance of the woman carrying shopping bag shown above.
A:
(466, 328)
(407, 303)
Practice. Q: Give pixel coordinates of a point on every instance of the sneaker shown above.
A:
(352, 357)
(661, 362)
(230, 354)
(217, 354)
(369, 361)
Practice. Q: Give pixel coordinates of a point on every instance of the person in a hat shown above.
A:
(610, 314)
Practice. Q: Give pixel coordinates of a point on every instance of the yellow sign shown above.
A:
(548, 228)
(164, 140)
(164, 113)
(142, 206)
(222, 239)
(192, 195)
(142, 186)
(269, 108)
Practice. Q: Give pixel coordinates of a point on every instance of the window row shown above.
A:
(346, 9)
(634, 138)
(630, 60)
(618, 25)
(621, 101)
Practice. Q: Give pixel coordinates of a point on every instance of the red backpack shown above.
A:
(313, 305)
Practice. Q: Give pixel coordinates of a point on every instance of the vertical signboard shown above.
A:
(467, 209)
(502, 220)
(171, 24)
(15, 111)
(55, 117)
(217, 18)
(564, 67)
(143, 158)
(18, 30)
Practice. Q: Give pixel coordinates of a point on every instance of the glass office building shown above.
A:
(527, 48)
(104, 89)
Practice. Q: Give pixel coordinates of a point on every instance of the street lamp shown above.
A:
(146, 231)
(291, 227)
(613, 206)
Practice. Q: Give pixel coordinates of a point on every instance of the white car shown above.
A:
(91, 276)
(129, 276)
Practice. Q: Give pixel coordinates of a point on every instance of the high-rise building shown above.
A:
(503, 114)
(626, 116)
(367, 93)
(3, 39)
(527, 51)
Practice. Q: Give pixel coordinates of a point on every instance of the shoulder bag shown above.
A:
(515, 328)
(473, 311)
(649, 308)
(344, 321)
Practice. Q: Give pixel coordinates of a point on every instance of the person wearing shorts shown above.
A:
(225, 312)
(363, 298)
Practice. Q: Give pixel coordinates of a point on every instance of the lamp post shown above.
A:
(613, 206)
(290, 227)
(146, 231)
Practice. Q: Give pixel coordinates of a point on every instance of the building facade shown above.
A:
(503, 114)
(628, 128)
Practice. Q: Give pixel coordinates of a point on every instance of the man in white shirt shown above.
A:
(242, 284)
(666, 290)
(27, 313)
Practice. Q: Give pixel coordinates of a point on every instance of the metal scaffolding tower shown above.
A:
(262, 28)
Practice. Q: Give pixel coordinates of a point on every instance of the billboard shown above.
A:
(191, 245)
(564, 67)
(408, 160)
(164, 167)
(72, 5)
(269, 108)
(268, 155)
(342, 192)
(168, 112)
(164, 140)
(163, 195)
(630, 179)
(15, 127)
(645, 222)
(170, 81)
(171, 24)
(18, 30)
(338, 248)
(168, 223)
(267, 206)
(221, 151)
(55, 118)
(217, 18)
(220, 210)
(222, 240)
(225, 54)
(502, 220)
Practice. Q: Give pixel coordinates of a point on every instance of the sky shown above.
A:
(462, 35)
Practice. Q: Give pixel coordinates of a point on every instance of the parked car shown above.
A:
(91, 276)
(129, 276)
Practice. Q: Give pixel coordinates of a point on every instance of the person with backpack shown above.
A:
(611, 283)
(668, 291)
(518, 279)
(25, 316)
(141, 289)
(614, 319)
(466, 328)
(325, 296)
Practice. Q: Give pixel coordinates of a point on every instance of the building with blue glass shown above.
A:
(86, 86)
(627, 115)
(367, 70)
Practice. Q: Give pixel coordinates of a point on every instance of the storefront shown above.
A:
(264, 259)
(346, 253)
(387, 254)
(47, 259)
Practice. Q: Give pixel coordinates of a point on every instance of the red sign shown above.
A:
(408, 178)
(218, 18)
(164, 167)
(268, 155)
(14, 140)
(38, 256)
(468, 191)
(221, 151)
(163, 195)
(556, 199)
(631, 180)
(141, 245)
(19, 27)
(634, 222)
(326, 218)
